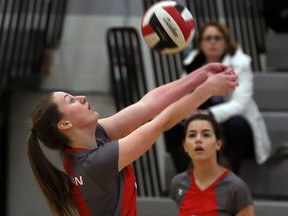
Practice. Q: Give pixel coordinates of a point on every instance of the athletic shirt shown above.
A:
(98, 187)
(227, 196)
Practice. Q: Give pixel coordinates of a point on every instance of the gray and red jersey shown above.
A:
(227, 196)
(98, 187)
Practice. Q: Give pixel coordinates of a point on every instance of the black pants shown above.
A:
(238, 144)
(238, 141)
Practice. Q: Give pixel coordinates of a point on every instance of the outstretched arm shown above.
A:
(130, 118)
(248, 211)
(139, 141)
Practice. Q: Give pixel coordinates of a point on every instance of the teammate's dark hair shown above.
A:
(54, 183)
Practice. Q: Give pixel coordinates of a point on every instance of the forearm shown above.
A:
(218, 84)
(184, 107)
(151, 105)
(161, 97)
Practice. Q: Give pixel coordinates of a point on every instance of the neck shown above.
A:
(207, 170)
(83, 139)
(212, 59)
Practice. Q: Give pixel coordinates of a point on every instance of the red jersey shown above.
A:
(98, 187)
(226, 196)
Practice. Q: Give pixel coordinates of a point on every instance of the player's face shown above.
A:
(213, 43)
(200, 141)
(76, 109)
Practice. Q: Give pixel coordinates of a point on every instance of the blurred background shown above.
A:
(95, 48)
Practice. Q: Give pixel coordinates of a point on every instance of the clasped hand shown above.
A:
(220, 78)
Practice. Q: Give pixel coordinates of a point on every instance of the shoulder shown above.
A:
(240, 58)
(180, 179)
(239, 192)
(100, 131)
(237, 188)
(234, 181)
(180, 176)
(179, 184)
(101, 135)
(98, 157)
(190, 57)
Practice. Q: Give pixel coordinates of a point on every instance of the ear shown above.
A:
(218, 144)
(185, 147)
(64, 125)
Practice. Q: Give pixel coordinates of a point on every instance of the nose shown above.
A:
(82, 99)
(198, 138)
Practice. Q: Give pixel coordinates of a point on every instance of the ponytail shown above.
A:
(54, 183)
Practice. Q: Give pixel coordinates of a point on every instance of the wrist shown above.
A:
(206, 90)
(201, 75)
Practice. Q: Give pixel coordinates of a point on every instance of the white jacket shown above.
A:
(241, 102)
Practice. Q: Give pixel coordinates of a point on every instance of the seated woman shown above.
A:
(208, 188)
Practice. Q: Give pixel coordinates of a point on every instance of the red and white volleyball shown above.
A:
(168, 27)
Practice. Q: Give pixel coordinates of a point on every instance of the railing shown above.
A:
(4, 111)
(27, 29)
(246, 22)
(129, 85)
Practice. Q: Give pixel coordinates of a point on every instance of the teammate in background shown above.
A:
(208, 188)
(97, 178)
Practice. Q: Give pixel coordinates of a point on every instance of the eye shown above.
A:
(191, 135)
(206, 134)
(72, 100)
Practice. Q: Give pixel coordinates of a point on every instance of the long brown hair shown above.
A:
(54, 182)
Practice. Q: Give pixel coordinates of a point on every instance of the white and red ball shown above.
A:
(168, 27)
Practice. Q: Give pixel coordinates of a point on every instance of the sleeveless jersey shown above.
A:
(98, 187)
(227, 196)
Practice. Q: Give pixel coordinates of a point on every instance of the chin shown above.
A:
(200, 158)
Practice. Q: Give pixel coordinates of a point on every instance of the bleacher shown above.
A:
(270, 179)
